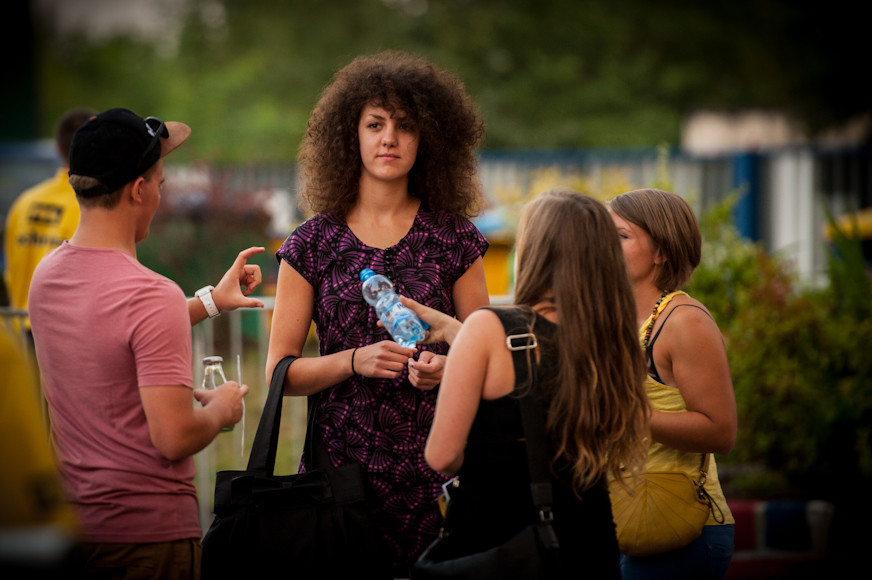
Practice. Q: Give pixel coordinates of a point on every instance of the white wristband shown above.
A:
(205, 296)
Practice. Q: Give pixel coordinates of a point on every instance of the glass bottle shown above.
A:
(213, 376)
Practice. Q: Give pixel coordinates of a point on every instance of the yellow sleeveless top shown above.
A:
(662, 458)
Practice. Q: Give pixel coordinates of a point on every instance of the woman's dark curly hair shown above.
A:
(444, 176)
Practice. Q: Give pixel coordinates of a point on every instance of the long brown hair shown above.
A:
(568, 248)
(444, 176)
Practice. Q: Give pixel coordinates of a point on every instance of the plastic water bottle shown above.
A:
(213, 376)
(402, 324)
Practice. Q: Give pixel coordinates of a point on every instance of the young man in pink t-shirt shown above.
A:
(113, 342)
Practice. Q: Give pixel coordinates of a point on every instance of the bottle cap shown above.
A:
(210, 360)
(366, 274)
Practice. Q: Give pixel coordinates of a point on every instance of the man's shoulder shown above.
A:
(150, 281)
(146, 292)
(123, 271)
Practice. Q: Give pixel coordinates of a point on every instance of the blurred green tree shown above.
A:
(547, 73)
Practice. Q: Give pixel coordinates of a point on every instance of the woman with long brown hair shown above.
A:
(572, 290)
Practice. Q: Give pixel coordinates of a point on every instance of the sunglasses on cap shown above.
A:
(157, 129)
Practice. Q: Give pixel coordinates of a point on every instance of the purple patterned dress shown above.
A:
(383, 424)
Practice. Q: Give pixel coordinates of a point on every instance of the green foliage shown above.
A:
(847, 269)
(195, 247)
(547, 74)
(799, 360)
(729, 265)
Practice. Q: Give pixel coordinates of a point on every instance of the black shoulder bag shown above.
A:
(308, 525)
(534, 553)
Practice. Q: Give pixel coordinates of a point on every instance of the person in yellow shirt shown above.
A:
(689, 382)
(38, 528)
(43, 216)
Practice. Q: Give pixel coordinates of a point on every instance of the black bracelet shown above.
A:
(353, 372)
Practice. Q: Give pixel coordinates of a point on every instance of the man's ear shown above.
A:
(135, 193)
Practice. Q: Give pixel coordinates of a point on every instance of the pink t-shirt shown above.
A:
(104, 327)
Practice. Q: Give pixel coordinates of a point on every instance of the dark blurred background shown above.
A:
(547, 73)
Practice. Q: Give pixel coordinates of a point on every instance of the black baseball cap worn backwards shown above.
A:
(117, 146)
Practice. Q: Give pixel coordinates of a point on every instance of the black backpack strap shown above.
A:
(521, 341)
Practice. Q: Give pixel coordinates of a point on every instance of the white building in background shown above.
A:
(797, 175)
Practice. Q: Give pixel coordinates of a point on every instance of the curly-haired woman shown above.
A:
(388, 165)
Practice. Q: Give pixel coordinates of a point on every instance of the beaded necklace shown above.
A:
(651, 322)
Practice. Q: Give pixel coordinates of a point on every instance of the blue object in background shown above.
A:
(746, 179)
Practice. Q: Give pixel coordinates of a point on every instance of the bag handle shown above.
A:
(703, 493)
(266, 440)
